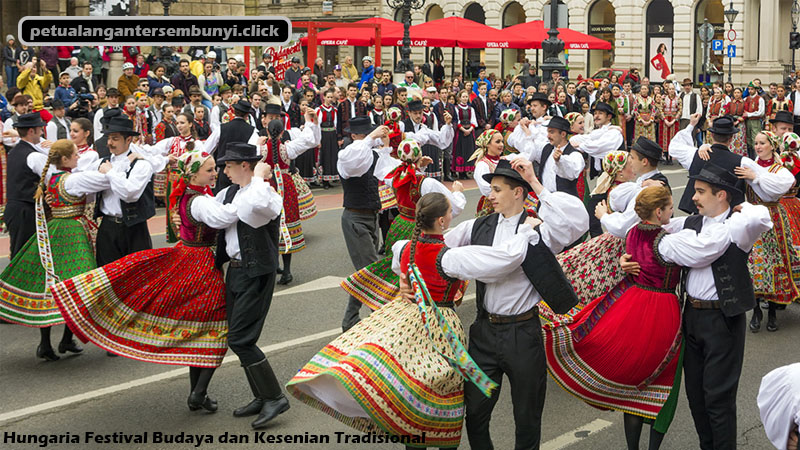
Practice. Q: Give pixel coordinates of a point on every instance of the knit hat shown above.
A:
(10, 37)
(612, 164)
(127, 66)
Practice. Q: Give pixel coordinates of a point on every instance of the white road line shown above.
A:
(576, 435)
(671, 171)
(327, 282)
(80, 398)
(678, 188)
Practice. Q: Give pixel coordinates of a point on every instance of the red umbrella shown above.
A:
(361, 37)
(534, 32)
(464, 33)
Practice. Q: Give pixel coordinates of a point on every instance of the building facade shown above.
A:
(655, 36)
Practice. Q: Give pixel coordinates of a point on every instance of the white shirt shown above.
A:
(568, 167)
(564, 220)
(424, 135)
(122, 188)
(36, 160)
(768, 186)
(619, 223)
(480, 262)
(428, 185)
(79, 184)
(597, 144)
(256, 204)
(214, 120)
(356, 159)
(51, 131)
(300, 140)
(10, 141)
(97, 124)
(686, 111)
(698, 251)
(779, 403)
(758, 113)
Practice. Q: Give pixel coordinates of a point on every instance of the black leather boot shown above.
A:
(197, 400)
(46, 353)
(755, 321)
(70, 346)
(269, 391)
(772, 317)
(254, 407)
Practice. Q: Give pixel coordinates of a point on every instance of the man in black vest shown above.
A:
(506, 336)
(26, 160)
(643, 159)
(714, 246)
(414, 127)
(361, 201)
(127, 205)
(101, 145)
(682, 148)
(250, 243)
(559, 164)
(237, 130)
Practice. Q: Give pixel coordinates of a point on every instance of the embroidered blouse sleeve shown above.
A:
(85, 183)
(768, 186)
(457, 199)
(481, 169)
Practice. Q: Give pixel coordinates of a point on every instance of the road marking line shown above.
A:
(576, 435)
(327, 282)
(678, 188)
(175, 373)
(671, 171)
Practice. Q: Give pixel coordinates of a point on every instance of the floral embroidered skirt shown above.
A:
(305, 199)
(163, 306)
(792, 206)
(291, 211)
(386, 375)
(376, 284)
(23, 294)
(772, 259)
(621, 352)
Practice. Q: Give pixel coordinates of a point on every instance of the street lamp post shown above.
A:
(731, 14)
(795, 12)
(552, 46)
(405, 64)
(166, 4)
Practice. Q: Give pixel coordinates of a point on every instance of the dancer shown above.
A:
(376, 285)
(507, 322)
(166, 305)
(592, 267)
(713, 322)
(417, 361)
(290, 146)
(490, 148)
(603, 139)
(237, 130)
(773, 254)
(60, 249)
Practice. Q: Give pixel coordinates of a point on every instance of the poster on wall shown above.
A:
(109, 7)
(660, 58)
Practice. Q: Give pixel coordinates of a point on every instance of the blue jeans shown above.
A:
(11, 76)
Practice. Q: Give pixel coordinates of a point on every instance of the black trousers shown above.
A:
(20, 218)
(712, 364)
(115, 240)
(595, 227)
(517, 351)
(247, 301)
(629, 125)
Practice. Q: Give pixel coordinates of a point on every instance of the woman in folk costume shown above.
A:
(715, 109)
(592, 267)
(465, 123)
(376, 284)
(173, 148)
(433, 152)
(61, 248)
(577, 126)
(291, 239)
(509, 119)
(401, 371)
(80, 133)
(327, 115)
(624, 107)
(139, 118)
(670, 120)
(490, 148)
(645, 112)
(388, 212)
(622, 351)
(735, 109)
(166, 305)
(773, 254)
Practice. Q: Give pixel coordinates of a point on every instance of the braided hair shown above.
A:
(62, 148)
(275, 130)
(430, 207)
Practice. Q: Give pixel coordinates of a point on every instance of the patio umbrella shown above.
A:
(535, 32)
(360, 37)
(465, 33)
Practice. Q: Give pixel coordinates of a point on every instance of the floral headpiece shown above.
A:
(789, 156)
(773, 140)
(508, 115)
(482, 143)
(189, 163)
(409, 151)
(394, 114)
(572, 117)
(612, 164)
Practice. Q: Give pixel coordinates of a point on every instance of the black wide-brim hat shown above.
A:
(415, 105)
(717, 176)
(120, 124)
(272, 108)
(604, 107)
(561, 124)
(109, 114)
(359, 125)
(783, 116)
(243, 106)
(240, 151)
(504, 169)
(30, 120)
(724, 125)
(648, 148)
(538, 96)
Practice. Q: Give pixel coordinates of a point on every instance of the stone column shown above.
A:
(768, 32)
(115, 68)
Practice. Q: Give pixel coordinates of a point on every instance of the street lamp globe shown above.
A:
(731, 13)
(405, 64)
(795, 12)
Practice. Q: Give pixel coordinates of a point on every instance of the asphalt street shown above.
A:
(92, 393)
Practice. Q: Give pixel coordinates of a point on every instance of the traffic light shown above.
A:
(794, 40)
